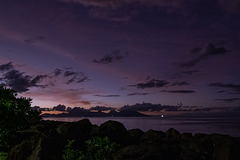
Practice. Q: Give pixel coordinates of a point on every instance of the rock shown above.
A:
(186, 136)
(20, 136)
(152, 135)
(116, 132)
(148, 151)
(224, 147)
(23, 150)
(49, 147)
(172, 133)
(95, 131)
(135, 134)
(80, 130)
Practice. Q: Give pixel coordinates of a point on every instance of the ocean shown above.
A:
(227, 126)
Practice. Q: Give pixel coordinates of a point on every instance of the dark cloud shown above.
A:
(77, 77)
(38, 79)
(182, 74)
(113, 95)
(204, 53)
(57, 72)
(151, 84)
(83, 79)
(69, 73)
(179, 91)
(21, 82)
(85, 102)
(6, 67)
(191, 72)
(233, 87)
(115, 56)
(229, 100)
(139, 94)
(35, 39)
(221, 91)
(69, 76)
(180, 84)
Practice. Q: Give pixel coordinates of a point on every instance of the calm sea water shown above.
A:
(229, 126)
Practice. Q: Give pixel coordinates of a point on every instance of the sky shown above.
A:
(115, 52)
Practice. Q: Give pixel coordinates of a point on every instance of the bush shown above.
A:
(15, 113)
(72, 154)
(100, 148)
(3, 155)
(97, 148)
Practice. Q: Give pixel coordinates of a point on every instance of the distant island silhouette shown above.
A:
(137, 110)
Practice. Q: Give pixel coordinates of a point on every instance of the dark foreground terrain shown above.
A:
(47, 140)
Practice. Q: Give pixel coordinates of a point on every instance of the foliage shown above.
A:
(100, 149)
(15, 112)
(72, 154)
(3, 155)
(97, 148)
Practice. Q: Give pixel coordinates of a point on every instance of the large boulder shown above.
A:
(24, 149)
(224, 147)
(80, 130)
(149, 151)
(47, 145)
(116, 132)
(136, 134)
(152, 135)
(172, 133)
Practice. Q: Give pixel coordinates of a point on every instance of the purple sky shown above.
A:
(116, 52)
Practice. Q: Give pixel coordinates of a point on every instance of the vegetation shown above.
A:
(72, 154)
(3, 155)
(97, 148)
(15, 113)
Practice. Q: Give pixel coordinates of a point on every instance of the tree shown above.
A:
(15, 113)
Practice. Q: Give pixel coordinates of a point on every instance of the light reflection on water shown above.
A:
(228, 126)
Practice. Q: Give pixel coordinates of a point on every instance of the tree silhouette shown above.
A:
(15, 113)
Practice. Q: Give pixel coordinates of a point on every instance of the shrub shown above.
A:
(3, 155)
(97, 148)
(72, 154)
(15, 113)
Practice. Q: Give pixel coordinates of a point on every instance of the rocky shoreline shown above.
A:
(46, 140)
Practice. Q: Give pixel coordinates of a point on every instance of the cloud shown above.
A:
(69, 76)
(229, 100)
(57, 72)
(180, 84)
(191, 72)
(179, 91)
(204, 53)
(183, 73)
(232, 6)
(69, 73)
(139, 94)
(114, 4)
(124, 10)
(151, 84)
(107, 95)
(115, 56)
(77, 77)
(35, 39)
(21, 82)
(85, 102)
(6, 67)
(234, 87)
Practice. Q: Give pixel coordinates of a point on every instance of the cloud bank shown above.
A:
(203, 53)
(115, 56)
